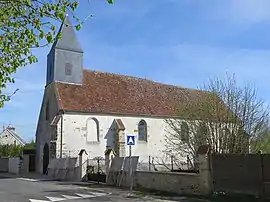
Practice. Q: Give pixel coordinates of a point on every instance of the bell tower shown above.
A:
(65, 59)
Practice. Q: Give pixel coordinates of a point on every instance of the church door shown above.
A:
(45, 158)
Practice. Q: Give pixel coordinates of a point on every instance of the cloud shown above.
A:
(249, 10)
(244, 12)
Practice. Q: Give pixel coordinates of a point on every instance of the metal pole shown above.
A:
(149, 163)
(172, 162)
(130, 170)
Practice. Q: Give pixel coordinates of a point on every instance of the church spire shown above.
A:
(65, 59)
(68, 41)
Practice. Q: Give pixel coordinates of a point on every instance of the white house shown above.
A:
(10, 136)
(91, 110)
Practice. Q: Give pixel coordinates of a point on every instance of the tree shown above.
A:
(225, 116)
(31, 145)
(24, 25)
(10, 150)
(261, 143)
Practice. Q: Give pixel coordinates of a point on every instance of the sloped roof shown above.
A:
(14, 134)
(120, 124)
(69, 40)
(112, 93)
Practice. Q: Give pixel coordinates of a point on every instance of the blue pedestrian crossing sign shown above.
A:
(130, 140)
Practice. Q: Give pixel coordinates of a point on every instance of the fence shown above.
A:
(245, 174)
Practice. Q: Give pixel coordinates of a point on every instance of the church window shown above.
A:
(142, 129)
(92, 132)
(184, 133)
(47, 111)
(68, 69)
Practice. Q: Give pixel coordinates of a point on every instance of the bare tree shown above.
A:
(225, 116)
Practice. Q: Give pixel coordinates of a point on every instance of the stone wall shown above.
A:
(175, 182)
(180, 183)
(4, 165)
(241, 174)
(14, 165)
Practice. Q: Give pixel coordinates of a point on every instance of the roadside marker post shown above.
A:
(130, 143)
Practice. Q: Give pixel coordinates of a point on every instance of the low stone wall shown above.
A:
(4, 165)
(14, 165)
(179, 183)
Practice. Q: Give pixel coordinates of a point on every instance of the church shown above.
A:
(95, 111)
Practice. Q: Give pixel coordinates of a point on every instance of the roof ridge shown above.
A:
(145, 79)
(14, 134)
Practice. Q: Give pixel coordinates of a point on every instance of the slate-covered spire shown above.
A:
(69, 40)
(65, 59)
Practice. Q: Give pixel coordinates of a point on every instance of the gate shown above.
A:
(32, 164)
(96, 170)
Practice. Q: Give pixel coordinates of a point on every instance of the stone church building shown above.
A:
(91, 110)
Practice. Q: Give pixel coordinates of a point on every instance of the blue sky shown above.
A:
(181, 42)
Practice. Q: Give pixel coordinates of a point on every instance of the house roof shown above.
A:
(112, 93)
(13, 133)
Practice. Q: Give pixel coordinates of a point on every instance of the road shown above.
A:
(30, 190)
(15, 189)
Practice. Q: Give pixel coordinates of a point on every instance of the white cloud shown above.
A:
(251, 10)
(244, 12)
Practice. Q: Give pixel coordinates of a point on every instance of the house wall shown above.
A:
(76, 136)
(7, 138)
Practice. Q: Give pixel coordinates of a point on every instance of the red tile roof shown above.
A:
(119, 94)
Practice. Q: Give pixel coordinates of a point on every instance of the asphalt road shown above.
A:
(26, 190)
(15, 189)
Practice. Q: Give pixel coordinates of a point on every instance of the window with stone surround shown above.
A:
(142, 130)
(92, 132)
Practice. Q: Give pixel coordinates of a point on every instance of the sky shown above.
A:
(179, 42)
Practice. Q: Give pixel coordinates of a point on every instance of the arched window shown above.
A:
(47, 111)
(92, 132)
(142, 130)
(184, 132)
(68, 69)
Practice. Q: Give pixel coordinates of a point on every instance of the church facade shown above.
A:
(91, 110)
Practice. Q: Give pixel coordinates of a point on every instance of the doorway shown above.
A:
(45, 158)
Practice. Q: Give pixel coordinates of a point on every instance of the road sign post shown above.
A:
(130, 143)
